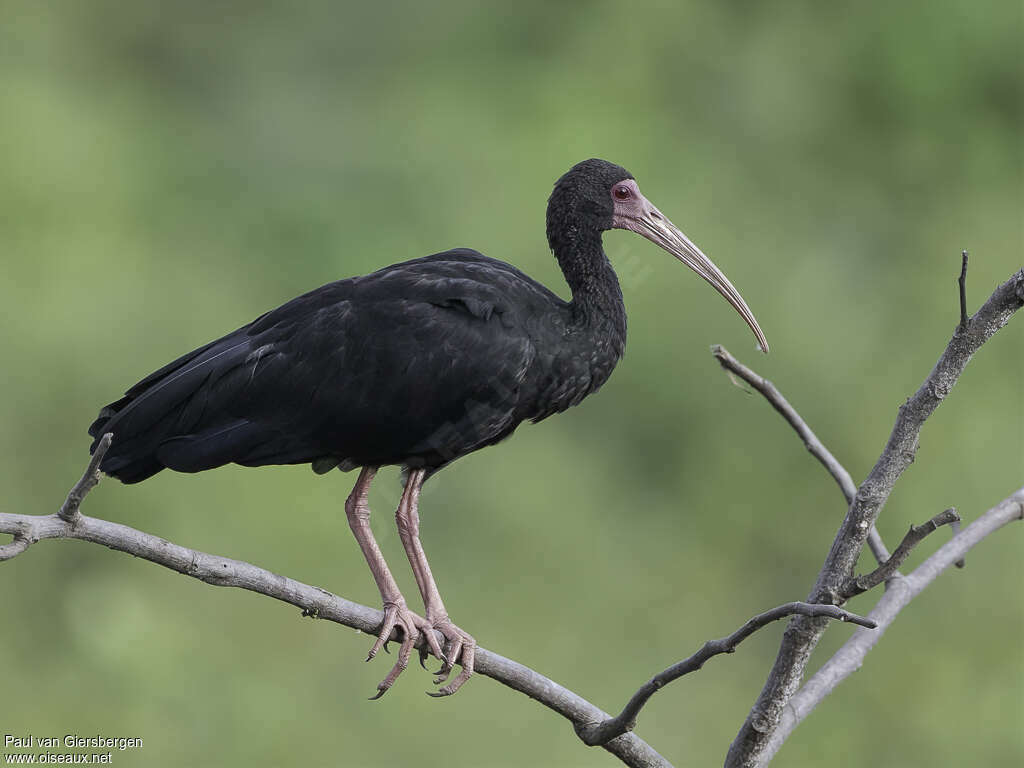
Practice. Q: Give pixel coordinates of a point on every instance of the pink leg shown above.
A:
(459, 642)
(396, 613)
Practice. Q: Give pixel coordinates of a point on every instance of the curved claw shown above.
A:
(391, 615)
(447, 661)
(457, 644)
(455, 648)
(431, 638)
(424, 655)
(459, 647)
(404, 652)
(455, 684)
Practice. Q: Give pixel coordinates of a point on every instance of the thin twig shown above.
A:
(594, 734)
(850, 656)
(887, 570)
(69, 509)
(963, 291)
(956, 530)
(24, 535)
(313, 601)
(811, 441)
(803, 633)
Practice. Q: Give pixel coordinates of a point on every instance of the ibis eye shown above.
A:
(622, 193)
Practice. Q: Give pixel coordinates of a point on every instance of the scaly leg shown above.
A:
(459, 642)
(396, 613)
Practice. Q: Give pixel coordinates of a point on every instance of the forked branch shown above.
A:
(814, 445)
(603, 732)
(69, 509)
(887, 570)
(313, 601)
(849, 658)
(750, 748)
(766, 728)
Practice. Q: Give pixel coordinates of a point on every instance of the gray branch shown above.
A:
(887, 570)
(595, 734)
(314, 601)
(961, 563)
(769, 722)
(962, 281)
(811, 441)
(69, 509)
(849, 658)
(750, 748)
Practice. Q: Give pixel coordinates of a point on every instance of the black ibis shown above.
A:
(414, 365)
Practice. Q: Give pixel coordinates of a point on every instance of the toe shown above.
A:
(431, 638)
(460, 648)
(404, 653)
(386, 627)
(454, 650)
(467, 672)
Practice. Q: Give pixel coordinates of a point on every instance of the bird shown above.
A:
(414, 365)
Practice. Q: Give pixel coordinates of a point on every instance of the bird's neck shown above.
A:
(596, 304)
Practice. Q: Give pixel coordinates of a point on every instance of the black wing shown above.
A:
(416, 364)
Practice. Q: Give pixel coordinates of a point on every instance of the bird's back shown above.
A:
(415, 364)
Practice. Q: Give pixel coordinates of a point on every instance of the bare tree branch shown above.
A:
(887, 570)
(849, 658)
(750, 748)
(769, 722)
(69, 509)
(814, 445)
(20, 543)
(963, 291)
(595, 734)
(956, 530)
(314, 601)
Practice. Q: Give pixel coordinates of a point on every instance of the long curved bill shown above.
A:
(656, 227)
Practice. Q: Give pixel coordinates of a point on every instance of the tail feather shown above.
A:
(166, 411)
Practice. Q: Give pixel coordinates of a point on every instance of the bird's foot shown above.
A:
(398, 615)
(459, 647)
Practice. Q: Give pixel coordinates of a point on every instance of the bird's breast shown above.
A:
(579, 367)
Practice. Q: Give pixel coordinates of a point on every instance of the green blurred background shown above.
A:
(172, 170)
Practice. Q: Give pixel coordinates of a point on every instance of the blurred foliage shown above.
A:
(172, 170)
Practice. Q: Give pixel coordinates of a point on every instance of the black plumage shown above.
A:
(415, 365)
